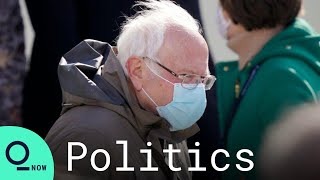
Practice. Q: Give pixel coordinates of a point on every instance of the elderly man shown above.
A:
(146, 95)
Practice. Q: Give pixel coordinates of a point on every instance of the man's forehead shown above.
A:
(187, 64)
(184, 52)
(189, 67)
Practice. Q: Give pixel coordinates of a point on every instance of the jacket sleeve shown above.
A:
(81, 169)
(284, 89)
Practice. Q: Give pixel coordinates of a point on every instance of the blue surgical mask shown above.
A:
(222, 22)
(186, 107)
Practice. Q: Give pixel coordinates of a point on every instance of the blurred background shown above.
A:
(207, 10)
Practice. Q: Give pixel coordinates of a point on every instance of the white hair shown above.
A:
(143, 34)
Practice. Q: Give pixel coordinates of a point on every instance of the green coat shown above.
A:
(289, 75)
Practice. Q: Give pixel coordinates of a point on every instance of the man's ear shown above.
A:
(134, 68)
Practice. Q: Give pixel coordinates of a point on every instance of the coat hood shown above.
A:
(298, 41)
(90, 74)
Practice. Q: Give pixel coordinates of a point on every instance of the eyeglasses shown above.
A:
(189, 79)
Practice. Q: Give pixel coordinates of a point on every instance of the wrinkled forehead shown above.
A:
(184, 51)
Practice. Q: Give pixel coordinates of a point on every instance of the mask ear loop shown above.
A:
(150, 98)
(159, 77)
(158, 74)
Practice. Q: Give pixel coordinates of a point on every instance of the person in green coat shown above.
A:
(278, 68)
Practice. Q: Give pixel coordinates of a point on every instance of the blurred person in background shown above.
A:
(291, 147)
(278, 67)
(12, 62)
